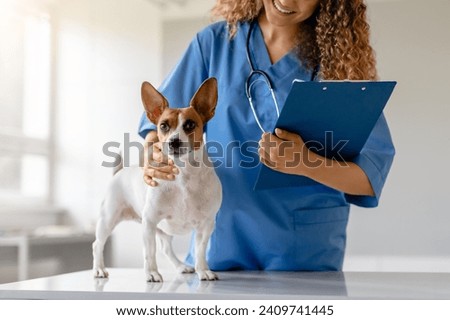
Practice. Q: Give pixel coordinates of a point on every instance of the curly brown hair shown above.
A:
(335, 37)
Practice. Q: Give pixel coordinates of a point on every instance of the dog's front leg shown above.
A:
(151, 269)
(202, 236)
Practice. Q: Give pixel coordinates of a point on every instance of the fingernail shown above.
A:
(175, 170)
(170, 176)
(153, 183)
(278, 131)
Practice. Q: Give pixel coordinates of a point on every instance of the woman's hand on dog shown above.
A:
(155, 166)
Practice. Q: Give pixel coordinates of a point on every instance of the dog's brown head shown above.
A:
(181, 128)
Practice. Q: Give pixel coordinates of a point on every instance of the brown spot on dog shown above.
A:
(195, 135)
(168, 118)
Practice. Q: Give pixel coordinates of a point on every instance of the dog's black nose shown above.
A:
(175, 144)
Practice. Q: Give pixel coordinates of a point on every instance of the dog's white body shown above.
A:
(190, 202)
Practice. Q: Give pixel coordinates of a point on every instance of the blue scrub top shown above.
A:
(300, 228)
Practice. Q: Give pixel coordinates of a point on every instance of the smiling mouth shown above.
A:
(280, 8)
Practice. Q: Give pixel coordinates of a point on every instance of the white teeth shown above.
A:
(277, 6)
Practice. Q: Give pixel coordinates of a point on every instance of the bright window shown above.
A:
(25, 130)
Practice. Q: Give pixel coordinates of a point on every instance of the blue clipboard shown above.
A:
(334, 118)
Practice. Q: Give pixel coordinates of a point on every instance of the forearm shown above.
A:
(286, 152)
(346, 177)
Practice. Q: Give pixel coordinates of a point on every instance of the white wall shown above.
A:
(411, 228)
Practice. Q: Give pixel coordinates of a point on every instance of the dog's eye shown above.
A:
(164, 127)
(189, 125)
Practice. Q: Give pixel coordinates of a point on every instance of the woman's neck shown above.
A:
(279, 40)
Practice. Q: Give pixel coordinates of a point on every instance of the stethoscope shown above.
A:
(265, 77)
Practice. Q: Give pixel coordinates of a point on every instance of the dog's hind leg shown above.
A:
(105, 226)
(166, 244)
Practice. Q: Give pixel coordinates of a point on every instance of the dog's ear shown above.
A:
(154, 102)
(205, 99)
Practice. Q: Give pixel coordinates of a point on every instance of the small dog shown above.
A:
(174, 207)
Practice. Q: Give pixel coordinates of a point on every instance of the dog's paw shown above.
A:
(185, 269)
(154, 276)
(207, 275)
(100, 273)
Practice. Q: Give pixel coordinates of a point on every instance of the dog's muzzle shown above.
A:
(177, 147)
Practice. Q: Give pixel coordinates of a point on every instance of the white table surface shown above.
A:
(130, 284)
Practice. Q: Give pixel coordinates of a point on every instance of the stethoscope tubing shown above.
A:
(265, 76)
(254, 72)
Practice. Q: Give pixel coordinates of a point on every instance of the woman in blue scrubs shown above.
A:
(302, 228)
